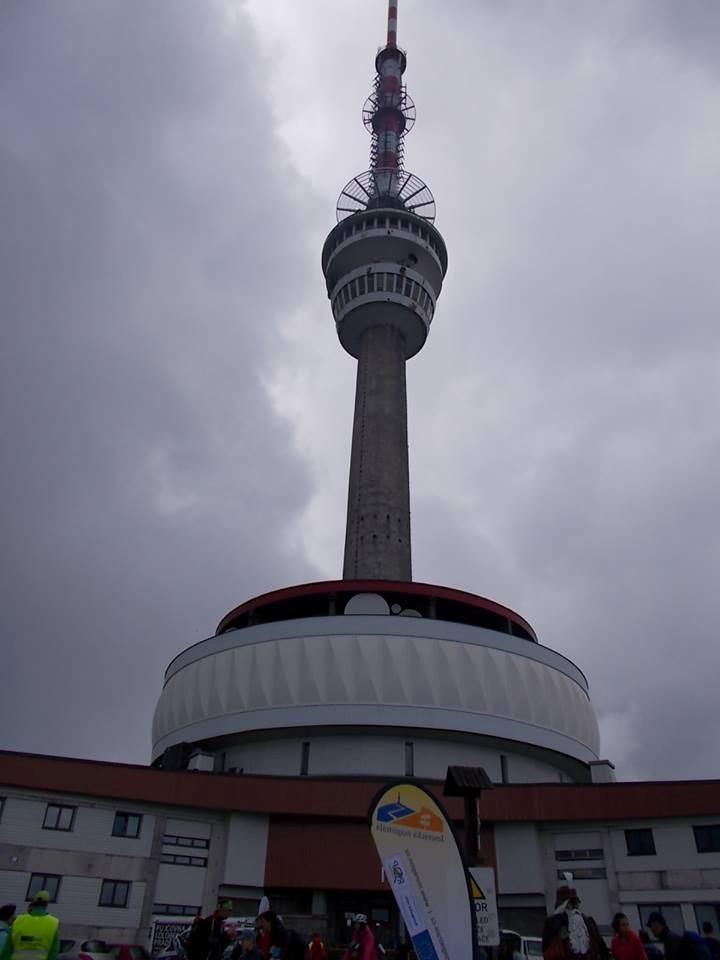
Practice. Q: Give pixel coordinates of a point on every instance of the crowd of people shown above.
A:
(569, 934)
(272, 940)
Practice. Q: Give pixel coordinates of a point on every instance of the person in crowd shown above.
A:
(246, 948)
(316, 948)
(208, 937)
(672, 942)
(570, 934)
(709, 939)
(362, 945)
(34, 935)
(7, 912)
(686, 946)
(626, 944)
(283, 944)
(652, 951)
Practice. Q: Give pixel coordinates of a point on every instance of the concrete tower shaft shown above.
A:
(377, 540)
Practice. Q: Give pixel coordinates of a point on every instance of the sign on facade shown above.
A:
(487, 923)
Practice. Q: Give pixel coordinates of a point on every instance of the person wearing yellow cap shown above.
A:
(35, 935)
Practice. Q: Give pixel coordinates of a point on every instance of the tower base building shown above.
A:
(376, 678)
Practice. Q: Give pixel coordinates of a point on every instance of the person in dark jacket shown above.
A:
(284, 944)
(652, 950)
(672, 942)
(710, 940)
(208, 938)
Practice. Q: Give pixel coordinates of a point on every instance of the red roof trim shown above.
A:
(375, 586)
(349, 799)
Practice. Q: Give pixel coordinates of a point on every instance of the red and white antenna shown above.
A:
(392, 23)
(389, 113)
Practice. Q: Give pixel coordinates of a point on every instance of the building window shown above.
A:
(707, 839)
(44, 881)
(183, 860)
(175, 909)
(707, 913)
(371, 283)
(305, 759)
(671, 912)
(114, 893)
(171, 840)
(640, 843)
(361, 286)
(503, 769)
(585, 873)
(59, 817)
(127, 825)
(592, 853)
(409, 759)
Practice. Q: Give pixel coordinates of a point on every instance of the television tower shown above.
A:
(384, 265)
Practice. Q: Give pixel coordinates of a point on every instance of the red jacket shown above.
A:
(366, 949)
(629, 949)
(316, 950)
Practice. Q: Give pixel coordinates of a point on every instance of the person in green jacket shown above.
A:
(34, 935)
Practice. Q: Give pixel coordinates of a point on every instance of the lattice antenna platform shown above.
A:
(388, 114)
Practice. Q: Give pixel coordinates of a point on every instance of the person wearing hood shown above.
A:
(569, 934)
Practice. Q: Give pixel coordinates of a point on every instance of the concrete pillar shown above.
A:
(377, 539)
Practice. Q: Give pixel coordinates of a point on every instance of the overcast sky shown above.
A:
(175, 407)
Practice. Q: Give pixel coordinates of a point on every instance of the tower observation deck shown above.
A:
(384, 265)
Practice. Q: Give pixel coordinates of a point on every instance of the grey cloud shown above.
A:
(148, 483)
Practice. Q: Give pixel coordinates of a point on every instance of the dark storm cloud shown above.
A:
(147, 484)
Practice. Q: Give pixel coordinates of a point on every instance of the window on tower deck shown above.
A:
(371, 283)
(361, 286)
(380, 282)
(398, 283)
(305, 759)
(408, 287)
(353, 289)
(409, 759)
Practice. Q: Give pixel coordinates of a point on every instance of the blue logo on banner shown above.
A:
(424, 947)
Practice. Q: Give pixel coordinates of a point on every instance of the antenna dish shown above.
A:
(374, 189)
